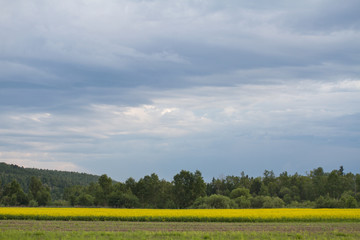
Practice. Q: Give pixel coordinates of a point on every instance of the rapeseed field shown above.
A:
(183, 215)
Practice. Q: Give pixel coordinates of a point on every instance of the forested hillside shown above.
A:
(318, 189)
(57, 181)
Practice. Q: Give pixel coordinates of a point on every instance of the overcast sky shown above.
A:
(132, 87)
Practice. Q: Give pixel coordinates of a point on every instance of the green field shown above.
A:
(23, 229)
(173, 235)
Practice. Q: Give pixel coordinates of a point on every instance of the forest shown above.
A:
(57, 181)
(317, 189)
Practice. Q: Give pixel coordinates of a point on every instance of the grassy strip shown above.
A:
(173, 219)
(117, 226)
(32, 235)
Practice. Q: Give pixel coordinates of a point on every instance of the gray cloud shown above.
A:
(190, 84)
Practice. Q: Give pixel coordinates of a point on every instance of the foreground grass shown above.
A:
(32, 235)
(188, 215)
(25, 229)
(120, 226)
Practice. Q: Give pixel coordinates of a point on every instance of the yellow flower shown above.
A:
(228, 215)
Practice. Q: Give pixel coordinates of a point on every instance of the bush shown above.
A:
(43, 197)
(169, 204)
(239, 192)
(60, 203)
(214, 201)
(267, 202)
(305, 204)
(348, 201)
(123, 200)
(357, 197)
(16, 199)
(257, 202)
(85, 199)
(326, 202)
(33, 203)
(243, 202)
(287, 198)
(273, 202)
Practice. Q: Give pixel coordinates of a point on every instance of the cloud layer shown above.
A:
(133, 87)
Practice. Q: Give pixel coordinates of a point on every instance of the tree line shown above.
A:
(57, 181)
(317, 189)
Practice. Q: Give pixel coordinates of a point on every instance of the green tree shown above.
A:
(102, 190)
(269, 177)
(188, 187)
(123, 200)
(256, 186)
(38, 192)
(333, 185)
(245, 181)
(35, 186)
(43, 196)
(71, 194)
(13, 195)
(165, 195)
(217, 186)
(319, 179)
(85, 199)
(148, 191)
(130, 184)
(105, 183)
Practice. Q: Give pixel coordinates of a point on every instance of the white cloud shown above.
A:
(36, 117)
(148, 119)
(280, 108)
(350, 85)
(191, 123)
(38, 160)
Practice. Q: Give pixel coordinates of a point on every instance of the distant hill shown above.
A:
(56, 180)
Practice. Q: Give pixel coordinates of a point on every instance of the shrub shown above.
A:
(305, 204)
(239, 192)
(85, 199)
(257, 202)
(267, 202)
(347, 200)
(214, 201)
(60, 203)
(275, 202)
(243, 202)
(123, 200)
(326, 202)
(33, 203)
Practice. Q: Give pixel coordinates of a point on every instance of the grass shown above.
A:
(142, 235)
(115, 226)
(24, 229)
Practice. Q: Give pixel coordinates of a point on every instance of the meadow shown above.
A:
(16, 235)
(32, 229)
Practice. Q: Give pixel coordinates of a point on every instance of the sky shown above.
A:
(133, 87)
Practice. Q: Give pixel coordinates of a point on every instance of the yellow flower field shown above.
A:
(226, 215)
